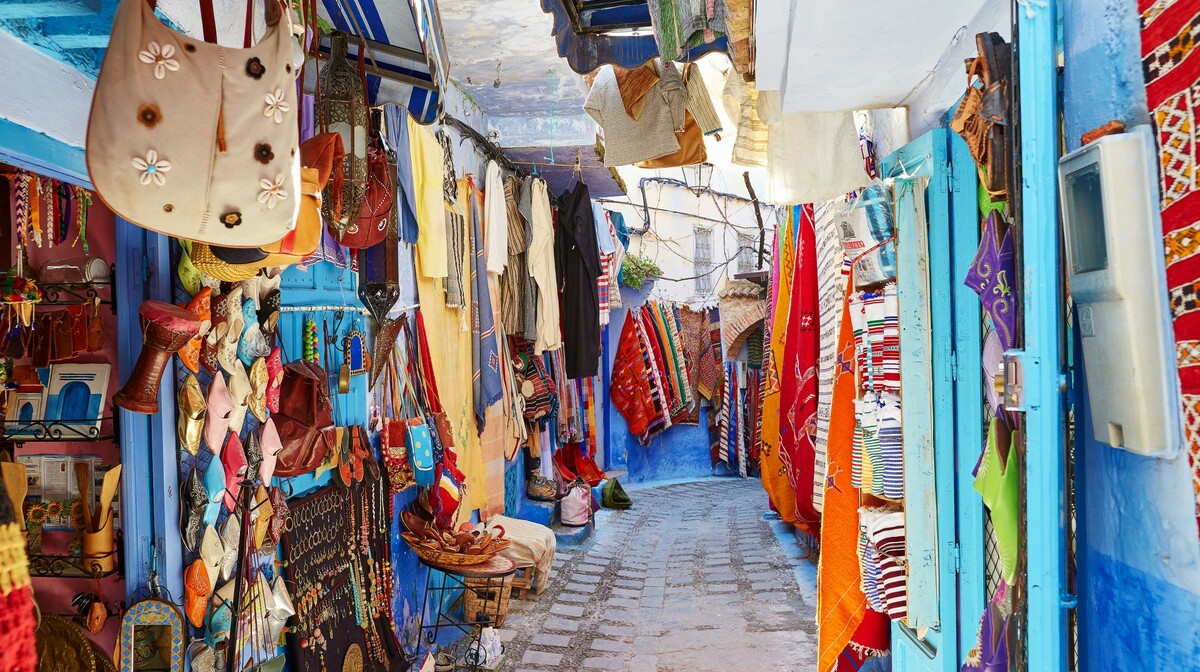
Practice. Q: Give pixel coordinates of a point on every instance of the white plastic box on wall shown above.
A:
(1113, 231)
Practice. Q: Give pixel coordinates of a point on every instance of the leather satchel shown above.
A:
(371, 225)
(194, 139)
(304, 420)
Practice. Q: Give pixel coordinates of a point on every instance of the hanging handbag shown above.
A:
(162, 148)
(536, 387)
(305, 412)
(371, 225)
(395, 456)
(318, 155)
(575, 509)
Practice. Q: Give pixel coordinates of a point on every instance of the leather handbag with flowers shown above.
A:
(194, 139)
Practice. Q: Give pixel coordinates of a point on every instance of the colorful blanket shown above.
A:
(843, 620)
(1171, 65)
(774, 469)
(798, 378)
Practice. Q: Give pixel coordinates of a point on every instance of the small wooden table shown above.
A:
(493, 573)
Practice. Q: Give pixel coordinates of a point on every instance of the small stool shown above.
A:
(523, 581)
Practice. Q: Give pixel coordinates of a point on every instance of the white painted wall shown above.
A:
(670, 242)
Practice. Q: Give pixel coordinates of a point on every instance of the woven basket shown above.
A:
(442, 557)
(492, 603)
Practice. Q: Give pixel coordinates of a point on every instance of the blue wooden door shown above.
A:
(934, 186)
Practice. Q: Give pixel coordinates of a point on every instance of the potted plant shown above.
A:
(637, 279)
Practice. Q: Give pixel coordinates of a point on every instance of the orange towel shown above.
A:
(841, 605)
(774, 472)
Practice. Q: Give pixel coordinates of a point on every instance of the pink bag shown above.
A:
(575, 509)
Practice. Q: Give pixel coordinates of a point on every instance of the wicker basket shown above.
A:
(490, 602)
(442, 557)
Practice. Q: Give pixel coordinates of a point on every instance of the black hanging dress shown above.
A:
(578, 261)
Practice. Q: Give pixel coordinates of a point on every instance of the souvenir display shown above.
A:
(340, 575)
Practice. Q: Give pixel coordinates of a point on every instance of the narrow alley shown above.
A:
(691, 579)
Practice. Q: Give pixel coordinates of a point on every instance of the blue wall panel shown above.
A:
(1139, 557)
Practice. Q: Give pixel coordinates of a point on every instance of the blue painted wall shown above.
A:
(680, 452)
(1139, 559)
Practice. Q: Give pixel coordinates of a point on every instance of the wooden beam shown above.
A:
(41, 9)
(92, 32)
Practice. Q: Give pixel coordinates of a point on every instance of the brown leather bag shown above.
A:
(371, 225)
(304, 420)
(691, 147)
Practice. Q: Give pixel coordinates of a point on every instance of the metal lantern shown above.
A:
(342, 109)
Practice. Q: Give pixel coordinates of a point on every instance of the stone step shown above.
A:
(567, 535)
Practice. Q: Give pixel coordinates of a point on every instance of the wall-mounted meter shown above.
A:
(1113, 230)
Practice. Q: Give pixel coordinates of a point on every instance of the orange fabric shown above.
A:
(841, 604)
(634, 84)
(774, 472)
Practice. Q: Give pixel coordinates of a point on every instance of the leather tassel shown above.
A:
(221, 131)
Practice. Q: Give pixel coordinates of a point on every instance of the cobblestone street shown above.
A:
(691, 579)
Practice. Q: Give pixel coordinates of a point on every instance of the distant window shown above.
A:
(703, 260)
(747, 252)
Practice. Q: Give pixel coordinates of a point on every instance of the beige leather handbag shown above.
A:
(193, 139)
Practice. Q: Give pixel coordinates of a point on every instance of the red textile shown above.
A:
(1171, 66)
(18, 621)
(798, 373)
(630, 386)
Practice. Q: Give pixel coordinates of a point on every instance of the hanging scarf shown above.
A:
(774, 468)
(456, 228)
(484, 350)
(798, 395)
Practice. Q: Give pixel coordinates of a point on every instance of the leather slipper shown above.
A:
(191, 415)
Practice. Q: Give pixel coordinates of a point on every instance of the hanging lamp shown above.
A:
(342, 109)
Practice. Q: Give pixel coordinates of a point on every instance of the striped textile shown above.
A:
(885, 534)
(602, 286)
(516, 273)
(699, 101)
(891, 447)
(868, 559)
(831, 293)
(728, 414)
(456, 225)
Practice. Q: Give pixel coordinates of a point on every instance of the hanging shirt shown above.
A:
(579, 269)
(495, 219)
(541, 269)
(396, 119)
(429, 200)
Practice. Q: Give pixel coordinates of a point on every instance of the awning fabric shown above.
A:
(595, 38)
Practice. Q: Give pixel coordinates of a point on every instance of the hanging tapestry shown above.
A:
(1171, 66)
(831, 287)
(774, 467)
(842, 614)
(798, 377)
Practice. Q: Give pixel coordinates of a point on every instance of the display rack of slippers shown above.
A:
(305, 553)
(59, 454)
